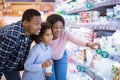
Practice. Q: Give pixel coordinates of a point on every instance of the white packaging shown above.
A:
(48, 69)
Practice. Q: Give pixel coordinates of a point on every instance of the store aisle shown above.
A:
(74, 74)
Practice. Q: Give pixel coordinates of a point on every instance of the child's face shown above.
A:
(47, 37)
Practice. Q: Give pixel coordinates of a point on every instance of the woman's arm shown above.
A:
(75, 39)
(79, 41)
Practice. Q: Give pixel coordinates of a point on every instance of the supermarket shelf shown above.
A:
(97, 77)
(114, 58)
(118, 1)
(95, 7)
(96, 27)
(65, 2)
(90, 71)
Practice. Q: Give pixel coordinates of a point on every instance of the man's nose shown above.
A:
(39, 27)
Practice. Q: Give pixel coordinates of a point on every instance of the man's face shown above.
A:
(34, 26)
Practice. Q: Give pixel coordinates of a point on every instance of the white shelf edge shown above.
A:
(82, 9)
(93, 71)
(95, 26)
(114, 57)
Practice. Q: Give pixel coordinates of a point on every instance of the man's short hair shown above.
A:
(30, 13)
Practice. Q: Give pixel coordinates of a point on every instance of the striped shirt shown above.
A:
(14, 47)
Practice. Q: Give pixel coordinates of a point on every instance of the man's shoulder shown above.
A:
(12, 29)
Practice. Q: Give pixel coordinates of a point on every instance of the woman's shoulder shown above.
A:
(66, 33)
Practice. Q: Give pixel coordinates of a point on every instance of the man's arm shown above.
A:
(7, 45)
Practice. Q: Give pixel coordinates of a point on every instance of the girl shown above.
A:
(60, 38)
(37, 59)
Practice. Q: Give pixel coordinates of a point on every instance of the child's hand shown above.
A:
(48, 74)
(47, 64)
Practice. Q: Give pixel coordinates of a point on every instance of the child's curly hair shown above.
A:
(44, 26)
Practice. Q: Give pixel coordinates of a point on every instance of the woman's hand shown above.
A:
(93, 45)
(47, 64)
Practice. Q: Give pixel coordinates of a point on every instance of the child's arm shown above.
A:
(31, 62)
(49, 61)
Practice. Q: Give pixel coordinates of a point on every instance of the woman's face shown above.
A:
(57, 29)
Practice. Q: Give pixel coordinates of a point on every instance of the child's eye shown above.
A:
(47, 34)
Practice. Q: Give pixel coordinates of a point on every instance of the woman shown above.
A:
(60, 38)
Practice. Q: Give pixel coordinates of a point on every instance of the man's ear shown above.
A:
(25, 23)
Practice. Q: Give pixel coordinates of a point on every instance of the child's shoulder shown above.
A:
(50, 48)
(36, 46)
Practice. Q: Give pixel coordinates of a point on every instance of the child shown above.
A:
(37, 59)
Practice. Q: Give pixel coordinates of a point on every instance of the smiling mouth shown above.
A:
(57, 33)
(38, 31)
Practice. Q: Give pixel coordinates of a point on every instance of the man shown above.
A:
(15, 41)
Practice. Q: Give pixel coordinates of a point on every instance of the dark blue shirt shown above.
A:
(14, 47)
